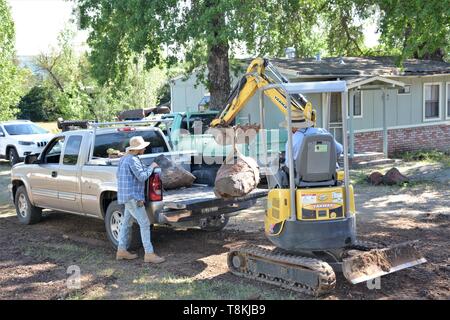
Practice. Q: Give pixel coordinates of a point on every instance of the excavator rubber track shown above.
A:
(302, 274)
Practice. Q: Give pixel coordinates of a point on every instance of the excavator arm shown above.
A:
(251, 81)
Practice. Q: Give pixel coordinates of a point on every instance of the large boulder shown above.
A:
(173, 176)
(375, 178)
(236, 178)
(393, 176)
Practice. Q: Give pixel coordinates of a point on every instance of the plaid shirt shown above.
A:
(131, 177)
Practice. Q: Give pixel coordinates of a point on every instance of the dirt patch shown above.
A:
(34, 259)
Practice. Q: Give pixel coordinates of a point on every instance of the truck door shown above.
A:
(44, 176)
(69, 190)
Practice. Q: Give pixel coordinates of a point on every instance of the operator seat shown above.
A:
(315, 165)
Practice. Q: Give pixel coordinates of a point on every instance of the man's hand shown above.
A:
(154, 165)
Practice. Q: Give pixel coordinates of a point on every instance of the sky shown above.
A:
(38, 23)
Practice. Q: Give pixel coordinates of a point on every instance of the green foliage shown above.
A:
(416, 28)
(70, 91)
(205, 34)
(426, 155)
(12, 77)
(343, 21)
(38, 105)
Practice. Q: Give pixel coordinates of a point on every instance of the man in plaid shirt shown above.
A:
(131, 177)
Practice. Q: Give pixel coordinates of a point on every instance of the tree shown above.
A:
(11, 76)
(38, 105)
(415, 28)
(70, 91)
(343, 21)
(204, 34)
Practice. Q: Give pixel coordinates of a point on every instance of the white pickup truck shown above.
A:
(67, 176)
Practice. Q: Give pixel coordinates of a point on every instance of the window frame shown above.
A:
(447, 97)
(48, 147)
(423, 101)
(348, 109)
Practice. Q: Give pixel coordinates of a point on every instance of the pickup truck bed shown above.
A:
(201, 200)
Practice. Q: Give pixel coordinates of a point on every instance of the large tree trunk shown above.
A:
(218, 66)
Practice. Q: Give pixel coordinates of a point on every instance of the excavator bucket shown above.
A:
(366, 265)
(239, 134)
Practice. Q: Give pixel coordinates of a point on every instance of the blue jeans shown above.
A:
(140, 215)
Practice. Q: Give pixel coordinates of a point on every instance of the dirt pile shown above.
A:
(378, 261)
(366, 262)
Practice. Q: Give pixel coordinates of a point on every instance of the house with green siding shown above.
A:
(391, 109)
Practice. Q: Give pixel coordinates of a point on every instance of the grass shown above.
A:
(148, 283)
(63, 251)
(172, 287)
(358, 177)
(426, 156)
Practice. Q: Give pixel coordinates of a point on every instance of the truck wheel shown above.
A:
(113, 223)
(13, 156)
(26, 212)
(213, 224)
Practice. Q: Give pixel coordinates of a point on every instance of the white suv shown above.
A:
(20, 138)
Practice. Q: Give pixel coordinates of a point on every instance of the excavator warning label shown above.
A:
(337, 196)
(309, 198)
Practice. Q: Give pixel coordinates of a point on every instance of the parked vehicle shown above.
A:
(20, 138)
(74, 174)
(188, 131)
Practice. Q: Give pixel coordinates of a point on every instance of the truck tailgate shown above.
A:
(202, 196)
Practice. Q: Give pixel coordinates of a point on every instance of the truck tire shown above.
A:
(13, 156)
(214, 224)
(113, 217)
(26, 212)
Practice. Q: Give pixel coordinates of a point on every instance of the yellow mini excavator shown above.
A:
(310, 217)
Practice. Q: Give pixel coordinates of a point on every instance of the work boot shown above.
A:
(153, 258)
(125, 255)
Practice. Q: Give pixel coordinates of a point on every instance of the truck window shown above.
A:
(53, 152)
(199, 124)
(120, 141)
(72, 150)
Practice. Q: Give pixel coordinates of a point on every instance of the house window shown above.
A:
(357, 105)
(448, 99)
(404, 90)
(432, 93)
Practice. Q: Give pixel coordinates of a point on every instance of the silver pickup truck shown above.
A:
(75, 174)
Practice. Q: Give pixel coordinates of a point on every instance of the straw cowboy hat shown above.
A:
(297, 120)
(137, 143)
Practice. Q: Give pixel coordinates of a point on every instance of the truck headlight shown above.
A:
(26, 143)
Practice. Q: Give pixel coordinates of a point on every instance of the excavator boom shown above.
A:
(255, 78)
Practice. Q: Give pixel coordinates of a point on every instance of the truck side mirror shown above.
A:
(31, 158)
(2, 134)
